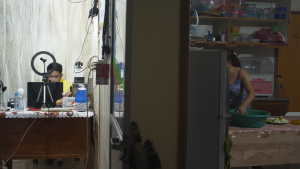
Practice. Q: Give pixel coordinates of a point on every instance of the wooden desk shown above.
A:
(51, 138)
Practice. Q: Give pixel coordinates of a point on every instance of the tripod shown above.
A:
(43, 87)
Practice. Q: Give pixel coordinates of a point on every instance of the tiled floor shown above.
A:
(66, 164)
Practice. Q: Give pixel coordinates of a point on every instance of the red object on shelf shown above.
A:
(268, 38)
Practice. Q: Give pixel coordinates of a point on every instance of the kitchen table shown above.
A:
(273, 144)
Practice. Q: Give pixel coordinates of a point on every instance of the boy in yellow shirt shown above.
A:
(56, 76)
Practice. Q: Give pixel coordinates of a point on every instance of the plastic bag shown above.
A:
(281, 37)
(206, 5)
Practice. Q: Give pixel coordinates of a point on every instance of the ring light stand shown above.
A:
(44, 75)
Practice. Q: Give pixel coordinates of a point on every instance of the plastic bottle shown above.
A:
(16, 105)
(223, 36)
(209, 38)
(81, 98)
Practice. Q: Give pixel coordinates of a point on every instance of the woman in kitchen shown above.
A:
(241, 92)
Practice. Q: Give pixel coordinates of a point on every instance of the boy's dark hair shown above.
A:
(58, 67)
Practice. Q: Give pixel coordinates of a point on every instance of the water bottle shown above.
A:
(81, 98)
(16, 105)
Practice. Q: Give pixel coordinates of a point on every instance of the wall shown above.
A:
(155, 75)
(295, 5)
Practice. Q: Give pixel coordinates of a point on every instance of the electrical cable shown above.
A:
(83, 45)
(85, 37)
(105, 26)
(81, 70)
(21, 140)
(92, 22)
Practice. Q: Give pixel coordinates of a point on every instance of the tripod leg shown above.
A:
(39, 93)
(50, 94)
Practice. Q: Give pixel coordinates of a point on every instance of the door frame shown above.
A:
(183, 83)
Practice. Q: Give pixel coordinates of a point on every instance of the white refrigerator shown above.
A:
(207, 109)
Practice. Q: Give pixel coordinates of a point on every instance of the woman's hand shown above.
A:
(241, 110)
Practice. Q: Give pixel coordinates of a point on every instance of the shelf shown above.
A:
(248, 25)
(252, 20)
(234, 44)
(193, 43)
(210, 18)
(239, 19)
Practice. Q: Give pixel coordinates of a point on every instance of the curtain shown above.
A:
(30, 26)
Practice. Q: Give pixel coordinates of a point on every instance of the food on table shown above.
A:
(277, 120)
(295, 122)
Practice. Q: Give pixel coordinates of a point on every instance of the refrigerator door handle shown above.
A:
(224, 116)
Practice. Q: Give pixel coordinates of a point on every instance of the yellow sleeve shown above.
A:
(66, 85)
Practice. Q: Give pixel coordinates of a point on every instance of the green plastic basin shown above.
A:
(254, 119)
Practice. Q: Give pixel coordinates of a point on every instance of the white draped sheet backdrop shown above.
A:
(30, 26)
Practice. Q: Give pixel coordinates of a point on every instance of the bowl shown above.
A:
(254, 40)
(254, 118)
(235, 29)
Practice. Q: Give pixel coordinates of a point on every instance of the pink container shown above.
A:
(261, 86)
(243, 14)
(227, 3)
(235, 14)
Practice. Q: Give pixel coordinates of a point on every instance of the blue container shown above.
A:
(280, 9)
(254, 118)
(252, 16)
(118, 97)
(81, 96)
(225, 15)
(280, 16)
(81, 99)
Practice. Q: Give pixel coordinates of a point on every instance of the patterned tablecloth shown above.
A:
(272, 144)
(41, 114)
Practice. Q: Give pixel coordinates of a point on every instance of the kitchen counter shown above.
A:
(277, 106)
(271, 99)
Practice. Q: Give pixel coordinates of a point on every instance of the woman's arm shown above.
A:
(246, 82)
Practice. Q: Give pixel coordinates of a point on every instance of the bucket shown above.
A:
(254, 118)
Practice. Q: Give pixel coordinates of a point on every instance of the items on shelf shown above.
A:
(264, 35)
(228, 8)
(223, 35)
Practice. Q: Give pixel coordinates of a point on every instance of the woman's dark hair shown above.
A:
(234, 60)
(58, 67)
(229, 51)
